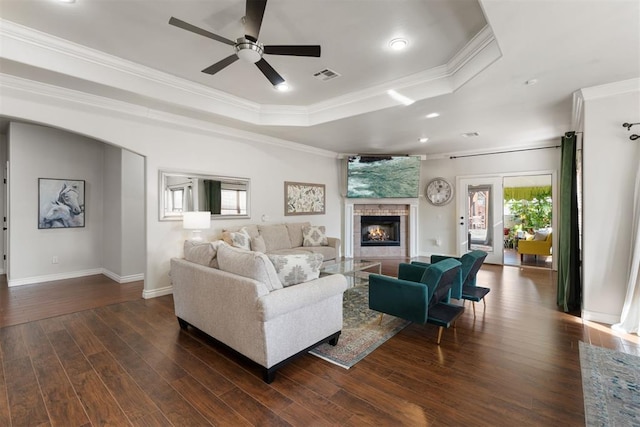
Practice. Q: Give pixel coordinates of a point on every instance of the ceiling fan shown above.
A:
(248, 48)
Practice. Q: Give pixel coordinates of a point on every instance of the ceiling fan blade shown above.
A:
(269, 72)
(186, 26)
(221, 64)
(294, 50)
(253, 18)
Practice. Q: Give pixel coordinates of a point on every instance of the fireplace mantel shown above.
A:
(412, 221)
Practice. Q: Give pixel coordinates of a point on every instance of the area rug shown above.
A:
(611, 386)
(361, 333)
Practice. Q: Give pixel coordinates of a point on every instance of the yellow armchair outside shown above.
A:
(535, 247)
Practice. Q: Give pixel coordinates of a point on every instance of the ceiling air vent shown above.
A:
(470, 134)
(326, 74)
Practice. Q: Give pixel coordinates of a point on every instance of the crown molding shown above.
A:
(610, 89)
(80, 100)
(37, 49)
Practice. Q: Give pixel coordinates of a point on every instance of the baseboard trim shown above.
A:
(52, 277)
(594, 316)
(153, 293)
(75, 274)
(122, 279)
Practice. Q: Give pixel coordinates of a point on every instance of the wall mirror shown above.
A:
(223, 196)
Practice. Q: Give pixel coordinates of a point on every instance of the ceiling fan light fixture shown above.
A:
(248, 51)
(398, 44)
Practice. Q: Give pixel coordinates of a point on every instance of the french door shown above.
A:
(480, 223)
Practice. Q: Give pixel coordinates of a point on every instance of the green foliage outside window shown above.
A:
(533, 214)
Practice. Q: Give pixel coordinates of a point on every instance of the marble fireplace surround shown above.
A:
(384, 206)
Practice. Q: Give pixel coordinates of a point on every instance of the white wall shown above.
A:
(441, 221)
(112, 224)
(40, 152)
(132, 251)
(611, 161)
(169, 143)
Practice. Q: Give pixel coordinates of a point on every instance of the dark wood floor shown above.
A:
(128, 363)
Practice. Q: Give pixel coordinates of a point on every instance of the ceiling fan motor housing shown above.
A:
(248, 51)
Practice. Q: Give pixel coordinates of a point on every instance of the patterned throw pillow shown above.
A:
(314, 236)
(296, 268)
(238, 239)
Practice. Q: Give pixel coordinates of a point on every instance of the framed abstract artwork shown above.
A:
(302, 198)
(60, 203)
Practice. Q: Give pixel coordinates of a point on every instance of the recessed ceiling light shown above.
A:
(66, 1)
(531, 82)
(400, 98)
(398, 44)
(432, 115)
(282, 87)
(423, 140)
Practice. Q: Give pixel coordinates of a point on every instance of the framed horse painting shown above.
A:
(60, 203)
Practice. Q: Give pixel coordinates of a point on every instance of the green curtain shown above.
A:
(213, 196)
(569, 287)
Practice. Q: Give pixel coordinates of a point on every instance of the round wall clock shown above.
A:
(439, 192)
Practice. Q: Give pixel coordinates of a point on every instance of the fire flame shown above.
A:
(378, 234)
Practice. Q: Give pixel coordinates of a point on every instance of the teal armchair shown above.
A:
(471, 263)
(419, 294)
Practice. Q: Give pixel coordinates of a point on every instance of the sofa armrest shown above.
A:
(334, 242)
(401, 298)
(295, 297)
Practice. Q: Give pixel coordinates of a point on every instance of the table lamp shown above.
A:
(196, 222)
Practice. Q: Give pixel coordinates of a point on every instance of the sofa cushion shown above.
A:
(239, 239)
(203, 253)
(275, 237)
(258, 245)
(328, 252)
(295, 232)
(297, 268)
(314, 236)
(254, 265)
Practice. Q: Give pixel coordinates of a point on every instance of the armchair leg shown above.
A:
(380, 320)
(440, 329)
(485, 304)
(473, 305)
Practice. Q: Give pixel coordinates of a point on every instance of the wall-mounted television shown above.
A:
(379, 177)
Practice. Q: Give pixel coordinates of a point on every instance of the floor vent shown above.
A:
(326, 74)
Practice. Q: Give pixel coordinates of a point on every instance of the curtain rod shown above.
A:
(504, 152)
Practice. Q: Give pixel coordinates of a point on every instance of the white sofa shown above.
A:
(286, 238)
(244, 305)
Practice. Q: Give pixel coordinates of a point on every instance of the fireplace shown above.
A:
(380, 231)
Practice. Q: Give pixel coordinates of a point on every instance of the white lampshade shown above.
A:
(196, 221)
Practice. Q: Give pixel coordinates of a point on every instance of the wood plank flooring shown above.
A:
(128, 363)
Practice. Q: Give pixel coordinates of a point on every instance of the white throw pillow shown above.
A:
(314, 236)
(238, 239)
(296, 268)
